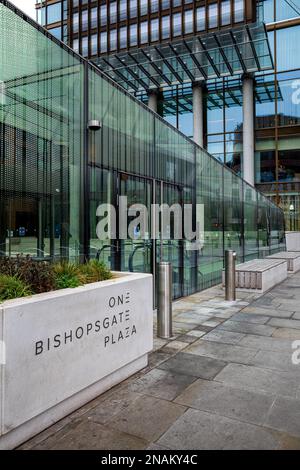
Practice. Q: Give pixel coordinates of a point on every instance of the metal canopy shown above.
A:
(221, 54)
(180, 100)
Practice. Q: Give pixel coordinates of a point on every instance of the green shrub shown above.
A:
(37, 275)
(94, 271)
(11, 287)
(66, 275)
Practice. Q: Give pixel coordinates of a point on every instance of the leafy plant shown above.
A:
(94, 271)
(37, 275)
(11, 287)
(66, 275)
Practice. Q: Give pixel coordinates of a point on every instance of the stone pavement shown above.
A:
(225, 381)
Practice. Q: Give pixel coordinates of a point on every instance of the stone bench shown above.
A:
(259, 275)
(292, 258)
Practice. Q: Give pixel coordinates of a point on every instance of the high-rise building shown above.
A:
(224, 72)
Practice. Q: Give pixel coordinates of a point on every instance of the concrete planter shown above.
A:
(65, 348)
(292, 241)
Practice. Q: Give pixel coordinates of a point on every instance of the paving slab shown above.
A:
(259, 379)
(285, 416)
(205, 431)
(187, 338)
(148, 418)
(271, 312)
(93, 436)
(225, 352)
(197, 366)
(223, 336)
(173, 346)
(162, 384)
(266, 343)
(284, 323)
(287, 333)
(245, 327)
(250, 318)
(196, 334)
(281, 361)
(215, 397)
(121, 399)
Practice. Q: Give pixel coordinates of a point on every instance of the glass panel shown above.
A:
(250, 223)
(136, 252)
(40, 212)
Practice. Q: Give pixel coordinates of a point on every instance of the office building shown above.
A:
(225, 72)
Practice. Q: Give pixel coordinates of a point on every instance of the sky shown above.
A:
(27, 6)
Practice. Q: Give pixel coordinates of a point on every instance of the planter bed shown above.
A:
(65, 348)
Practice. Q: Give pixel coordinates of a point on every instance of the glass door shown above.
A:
(134, 201)
(170, 246)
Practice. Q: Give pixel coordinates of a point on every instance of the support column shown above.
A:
(248, 129)
(198, 113)
(153, 100)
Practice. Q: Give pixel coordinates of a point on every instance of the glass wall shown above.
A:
(55, 171)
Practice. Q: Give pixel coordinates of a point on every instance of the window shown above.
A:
(177, 24)
(94, 17)
(188, 21)
(133, 34)
(143, 7)
(165, 26)
(155, 30)
(238, 10)
(213, 15)
(76, 45)
(154, 6)
(113, 39)
(85, 46)
(75, 22)
(103, 15)
(94, 44)
(123, 10)
(133, 8)
(84, 20)
(225, 12)
(165, 4)
(113, 12)
(288, 57)
(201, 19)
(123, 37)
(54, 13)
(103, 42)
(144, 32)
(41, 16)
(56, 32)
(288, 9)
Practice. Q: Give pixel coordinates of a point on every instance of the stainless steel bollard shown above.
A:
(164, 312)
(230, 259)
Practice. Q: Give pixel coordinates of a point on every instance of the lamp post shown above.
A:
(292, 217)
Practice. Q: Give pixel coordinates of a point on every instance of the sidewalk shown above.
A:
(226, 381)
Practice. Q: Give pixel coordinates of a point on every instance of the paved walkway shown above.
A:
(226, 381)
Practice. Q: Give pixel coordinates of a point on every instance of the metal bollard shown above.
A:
(164, 311)
(230, 259)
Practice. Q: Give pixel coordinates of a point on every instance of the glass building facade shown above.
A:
(97, 28)
(55, 170)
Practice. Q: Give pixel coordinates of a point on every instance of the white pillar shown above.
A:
(153, 100)
(248, 129)
(198, 113)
